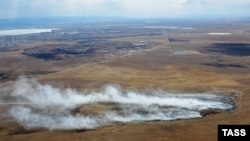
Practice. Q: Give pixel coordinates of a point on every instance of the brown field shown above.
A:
(187, 64)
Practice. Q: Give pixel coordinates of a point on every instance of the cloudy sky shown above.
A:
(125, 8)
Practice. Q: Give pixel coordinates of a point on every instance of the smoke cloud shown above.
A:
(54, 108)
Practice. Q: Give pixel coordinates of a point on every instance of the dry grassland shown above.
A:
(155, 69)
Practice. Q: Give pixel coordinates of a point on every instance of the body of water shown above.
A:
(24, 31)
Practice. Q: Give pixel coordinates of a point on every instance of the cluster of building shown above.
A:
(8, 43)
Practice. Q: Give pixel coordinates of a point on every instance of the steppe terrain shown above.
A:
(140, 57)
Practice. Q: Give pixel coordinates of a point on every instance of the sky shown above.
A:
(125, 8)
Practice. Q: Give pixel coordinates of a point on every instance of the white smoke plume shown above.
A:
(52, 108)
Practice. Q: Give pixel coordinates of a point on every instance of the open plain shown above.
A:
(177, 57)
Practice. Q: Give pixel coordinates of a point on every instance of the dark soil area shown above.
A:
(45, 56)
(221, 65)
(233, 49)
(53, 52)
(178, 40)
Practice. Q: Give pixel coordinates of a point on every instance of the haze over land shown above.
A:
(125, 8)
